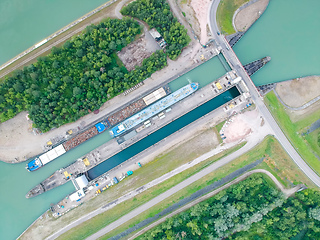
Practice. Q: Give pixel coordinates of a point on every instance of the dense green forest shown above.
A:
(157, 14)
(298, 216)
(251, 209)
(76, 78)
(231, 210)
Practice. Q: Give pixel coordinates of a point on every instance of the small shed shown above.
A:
(80, 182)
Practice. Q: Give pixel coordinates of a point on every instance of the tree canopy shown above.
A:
(157, 14)
(76, 78)
(231, 210)
(251, 209)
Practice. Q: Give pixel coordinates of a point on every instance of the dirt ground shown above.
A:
(299, 91)
(241, 126)
(133, 54)
(246, 17)
(190, 15)
(201, 9)
(196, 13)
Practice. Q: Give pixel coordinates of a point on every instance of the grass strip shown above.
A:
(95, 224)
(225, 13)
(276, 161)
(314, 141)
(291, 131)
(108, 11)
(199, 144)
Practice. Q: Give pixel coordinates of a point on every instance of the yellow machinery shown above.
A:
(66, 174)
(86, 161)
(218, 85)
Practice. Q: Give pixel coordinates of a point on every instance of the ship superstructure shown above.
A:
(57, 151)
(154, 109)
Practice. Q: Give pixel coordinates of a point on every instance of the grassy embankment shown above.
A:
(293, 130)
(95, 18)
(225, 13)
(162, 164)
(314, 141)
(277, 162)
(147, 173)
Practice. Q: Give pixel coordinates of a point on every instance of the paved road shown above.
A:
(173, 190)
(297, 108)
(236, 64)
(153, 151)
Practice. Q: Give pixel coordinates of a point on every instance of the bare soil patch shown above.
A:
(246, 17)
(190, 16)
(16, 136)
(240, 127)
(201, 9)
(299, 91)
(133, 54)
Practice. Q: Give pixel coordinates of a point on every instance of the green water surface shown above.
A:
(288, 32)
(24, 23)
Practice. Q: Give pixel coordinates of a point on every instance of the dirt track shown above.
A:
(299, 91)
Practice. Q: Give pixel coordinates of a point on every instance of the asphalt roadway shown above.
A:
(171, 191)
(236, 64)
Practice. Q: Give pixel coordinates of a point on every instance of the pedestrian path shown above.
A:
(297, 108)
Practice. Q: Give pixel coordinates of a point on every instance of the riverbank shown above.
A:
(243, 12)
(244, 18)
(20, 143)
(56, 39)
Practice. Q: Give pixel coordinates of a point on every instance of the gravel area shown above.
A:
(247, 16)
(299, 91)
(201, 10)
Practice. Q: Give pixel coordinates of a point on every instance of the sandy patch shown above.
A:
(240, 126)
(236, 130)
(201, 9)
(246, 17)
(16, 137)
(190, 16)
(299, 91)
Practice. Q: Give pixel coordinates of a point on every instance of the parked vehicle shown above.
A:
(115, 180)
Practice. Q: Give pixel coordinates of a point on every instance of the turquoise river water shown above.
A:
(288, 33)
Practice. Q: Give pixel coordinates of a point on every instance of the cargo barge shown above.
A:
(154, 109)
(112, 120)
(81, 166)
(59, 150)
